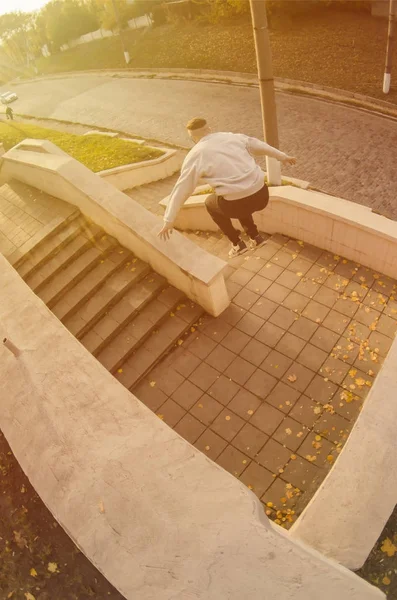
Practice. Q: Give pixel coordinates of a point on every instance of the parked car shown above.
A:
(8, 97)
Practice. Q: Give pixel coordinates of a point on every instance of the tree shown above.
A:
(66, 20)
(15, 28)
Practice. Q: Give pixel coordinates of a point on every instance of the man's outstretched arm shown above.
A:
(258, 148)
(183, 188)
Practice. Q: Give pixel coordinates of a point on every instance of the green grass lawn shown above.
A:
(333, 47)
(96, 152)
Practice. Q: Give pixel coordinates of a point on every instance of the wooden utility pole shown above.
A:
(117, 15)
(389, 49)
(266, 84)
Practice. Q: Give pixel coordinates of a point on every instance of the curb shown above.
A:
(353, 99)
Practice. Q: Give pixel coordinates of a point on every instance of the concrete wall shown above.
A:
(189, 268)
(156, 516)
(335, 224)
(133, 175)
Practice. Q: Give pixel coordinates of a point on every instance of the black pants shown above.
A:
(222, 211)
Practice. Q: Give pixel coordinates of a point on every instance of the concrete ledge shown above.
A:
(136, 174)
(186, 266)
(347, 514)
(157, 517)
(337, 225)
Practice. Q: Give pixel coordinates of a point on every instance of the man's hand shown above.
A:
(289, 160)
(166, 231)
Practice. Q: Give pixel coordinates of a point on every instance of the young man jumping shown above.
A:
(226, 162)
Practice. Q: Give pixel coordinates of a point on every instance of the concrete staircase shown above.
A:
(123, 312)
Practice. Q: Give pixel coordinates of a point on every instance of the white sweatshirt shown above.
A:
(225, 161)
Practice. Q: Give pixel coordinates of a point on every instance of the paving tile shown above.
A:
(375, 300)
(324, 339)
(335, 369)
(290, 345)
(241, 276)
(233, 460)
(267, 418)
(276, 364)
(316, 449)
(189, 428)
(306, 411)
(283, 397)
(283, 317)
(235, 340)
(307, 288)
(185, 363)
(223, 390)
(255, 352)
(358, 382)
(346, 404)
(337, 283)
(357, 332)
(310, 252)
(302, 473)
(152, 397)
(240, 370)
(282, 258)
(264, 308)
(346, 306)
(328, 260)
(233, 289)
(391, 309)
(271, 271)
(300, 265)
(387, 326)
(246, 299)
(296, 302)
(315, 311)
(273, 456)
(201, 345)
(321, 391)
(346, 350)
(281, 495)
(257, 479)
(381, 341)
(312, 357)
(268, 250)
(290, 433)
(367, 315)
(204, 376)
(318, 273)
(206, 409)
(303, 328)
(298, 377)
(253, 264)
(210, 444)
(365, 276)
(250, 440)
(260, 383)
(334, 427)
(289, 279)
(170, 412)
(244, 404)
(166, 379)
(232, 314)
(220, 358)
(276, 293)
(217, 329)
(346, 268)
(384, 285)
(227, 424)
(270, 334)
(187, 394)
(250, 324)
(326, 296)
(258, 284)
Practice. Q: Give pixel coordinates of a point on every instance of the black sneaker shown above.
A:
(238, 249)
(259, 240)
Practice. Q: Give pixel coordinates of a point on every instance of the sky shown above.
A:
(23, 5)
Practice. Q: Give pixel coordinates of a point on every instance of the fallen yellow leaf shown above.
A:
(386, 580)
(33, 572)
(29, 596)
(388, 547)
(53, 567)
(292, 378)
(152, 383)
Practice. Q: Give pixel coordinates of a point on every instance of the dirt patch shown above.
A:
(36, 555)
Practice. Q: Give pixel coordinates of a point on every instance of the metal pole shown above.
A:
(266, 85)
(389, 49)
(125, 52)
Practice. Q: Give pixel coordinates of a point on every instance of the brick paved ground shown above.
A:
(271, 388)
(340, 150)
(24, 213)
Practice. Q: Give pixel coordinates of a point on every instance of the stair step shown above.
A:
(115, 353)
(49, 269)
(114, 288)
(153, 349)
(86, 288)
(75, 271)
(118, 317)
(49, 247)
